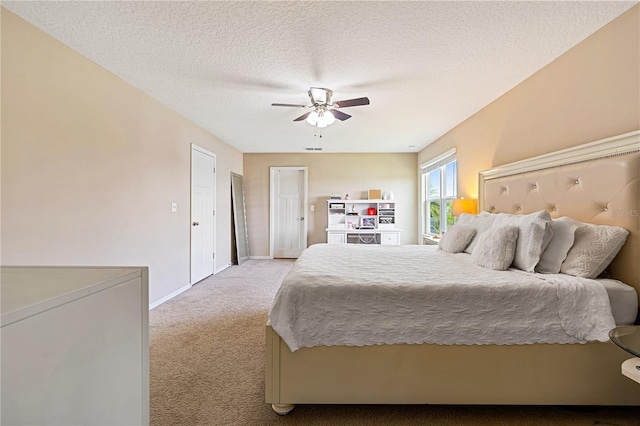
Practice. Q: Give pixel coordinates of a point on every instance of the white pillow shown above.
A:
(533, 237)
(594, 248)
(564, 230)
(496, 248)
(481, 222)
(457, 238)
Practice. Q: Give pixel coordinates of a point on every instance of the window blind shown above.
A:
(438, 161)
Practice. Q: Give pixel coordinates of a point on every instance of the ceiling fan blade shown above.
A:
(351, 102)
(339, 114)
(291, 105)
(303, 116)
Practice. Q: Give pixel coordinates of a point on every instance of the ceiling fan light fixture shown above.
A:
(321, 118)
(329, 118)
(312, 118)
(322, 121)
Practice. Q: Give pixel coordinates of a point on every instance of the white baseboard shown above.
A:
(260, 257)
(183, 289)
(169, 296)
(217, 271)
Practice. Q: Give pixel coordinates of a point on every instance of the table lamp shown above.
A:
(463, 205)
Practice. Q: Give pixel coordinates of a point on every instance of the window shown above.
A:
(439, 189)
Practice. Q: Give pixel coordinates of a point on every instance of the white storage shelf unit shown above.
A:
(75, 345)
(362, 222)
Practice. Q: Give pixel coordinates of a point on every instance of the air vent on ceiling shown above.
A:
(313, 149)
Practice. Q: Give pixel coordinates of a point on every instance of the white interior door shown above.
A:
(288, 211)
(203, 175)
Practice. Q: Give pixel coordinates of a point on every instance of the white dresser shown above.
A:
(75, 345)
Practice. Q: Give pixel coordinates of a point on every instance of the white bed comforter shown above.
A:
(359, 295)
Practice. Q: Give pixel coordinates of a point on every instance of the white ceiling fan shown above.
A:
(324, 112)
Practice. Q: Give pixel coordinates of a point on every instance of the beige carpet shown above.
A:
(207, 358)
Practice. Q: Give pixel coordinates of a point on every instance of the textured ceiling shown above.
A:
(425, 66)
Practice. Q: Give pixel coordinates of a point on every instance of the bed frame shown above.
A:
(597, 183)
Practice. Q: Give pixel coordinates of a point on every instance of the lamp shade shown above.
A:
(313, 118)
(322, 122)
(463, 205)
(329, 118)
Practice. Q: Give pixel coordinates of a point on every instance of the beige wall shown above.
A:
(589, 93)
(352, 174)
(91, 165)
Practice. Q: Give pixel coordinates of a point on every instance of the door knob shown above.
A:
(302, 218)
(196, 223)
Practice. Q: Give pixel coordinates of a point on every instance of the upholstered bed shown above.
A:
(596, 183)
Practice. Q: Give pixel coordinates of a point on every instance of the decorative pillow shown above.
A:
(457, 238)
(556, 252)
(481, 222)
(594, 248)
(533, 237)
(496, 248)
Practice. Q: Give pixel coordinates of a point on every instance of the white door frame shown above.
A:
(272, 203)
(195, 147)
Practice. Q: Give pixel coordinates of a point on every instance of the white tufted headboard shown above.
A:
(598, 183)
